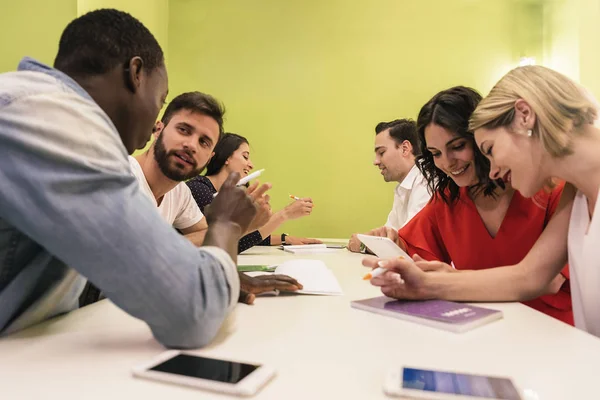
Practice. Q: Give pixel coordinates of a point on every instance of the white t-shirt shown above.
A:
(410, 197)
(584, 263)
(178, 207)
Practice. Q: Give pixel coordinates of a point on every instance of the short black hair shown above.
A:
(196, 102)
(382, 126)
(225, 147)
(451, 109)
(100, 40)
(401, 130)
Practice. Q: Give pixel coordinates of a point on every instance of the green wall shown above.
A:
(572, 38)
(589, 45)
(32, 28)
(306, 82)
(561, 37)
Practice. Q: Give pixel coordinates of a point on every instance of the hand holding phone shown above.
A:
(383, 247)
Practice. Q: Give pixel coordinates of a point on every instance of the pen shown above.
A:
(246, 179)
(376, 272)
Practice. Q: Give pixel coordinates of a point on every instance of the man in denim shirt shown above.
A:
(70, 208)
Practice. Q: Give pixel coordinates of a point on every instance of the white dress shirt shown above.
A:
(410, 197)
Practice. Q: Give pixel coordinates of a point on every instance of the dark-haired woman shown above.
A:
(232, 154)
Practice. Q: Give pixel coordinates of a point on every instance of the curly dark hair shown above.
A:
(98, 41)
(451, 110)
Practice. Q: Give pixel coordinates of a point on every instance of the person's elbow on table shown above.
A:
(193, 336)
(191, 330)
(192, 318)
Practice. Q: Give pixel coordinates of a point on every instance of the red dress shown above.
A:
(455, 233)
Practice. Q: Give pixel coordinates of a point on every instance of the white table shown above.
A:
(320, 347)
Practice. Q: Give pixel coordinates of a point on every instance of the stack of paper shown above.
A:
(314, 275)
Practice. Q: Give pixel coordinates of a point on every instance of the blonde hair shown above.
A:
(561, 106)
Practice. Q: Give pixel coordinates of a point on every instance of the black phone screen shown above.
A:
(206, 368)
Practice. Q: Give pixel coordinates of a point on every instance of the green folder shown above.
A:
(251, 268)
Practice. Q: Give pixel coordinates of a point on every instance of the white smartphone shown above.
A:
(383, 247)
(223, 376)
(442, 385)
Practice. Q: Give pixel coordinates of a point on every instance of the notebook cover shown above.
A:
(438, 310)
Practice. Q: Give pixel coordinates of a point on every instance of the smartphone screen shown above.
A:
(206, 368)
(459, 384)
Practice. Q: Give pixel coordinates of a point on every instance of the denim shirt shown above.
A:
(71, 210)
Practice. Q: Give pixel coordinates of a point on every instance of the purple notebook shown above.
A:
(448, 315)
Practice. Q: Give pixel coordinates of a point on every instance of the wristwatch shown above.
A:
(283, 235)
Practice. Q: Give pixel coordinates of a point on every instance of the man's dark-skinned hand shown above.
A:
(232, 204)
(251, 286)
(261, 201)
(229, 216)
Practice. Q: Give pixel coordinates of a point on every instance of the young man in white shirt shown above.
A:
(396, 147)
(184, 142)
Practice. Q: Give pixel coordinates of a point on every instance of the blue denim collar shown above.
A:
(29, 64)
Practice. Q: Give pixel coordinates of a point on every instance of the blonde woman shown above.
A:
(535, 124)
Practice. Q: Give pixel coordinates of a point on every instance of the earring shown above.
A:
(529, 133)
